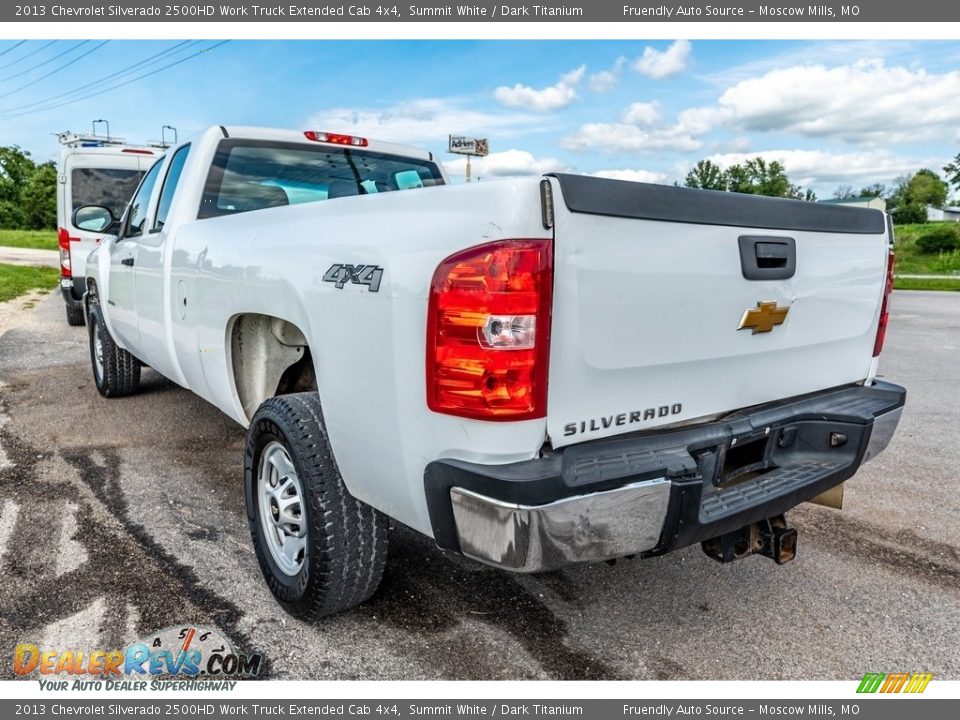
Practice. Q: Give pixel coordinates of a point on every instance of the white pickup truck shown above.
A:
(534, 372)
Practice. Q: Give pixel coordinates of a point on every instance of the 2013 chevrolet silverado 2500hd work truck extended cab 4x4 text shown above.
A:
(534, 372)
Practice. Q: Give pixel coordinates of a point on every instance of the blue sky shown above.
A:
(836, 113)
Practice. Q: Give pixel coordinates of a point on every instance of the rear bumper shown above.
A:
(72, 290)
(653, 493)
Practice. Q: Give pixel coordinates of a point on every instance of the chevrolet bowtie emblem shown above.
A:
(763, 317)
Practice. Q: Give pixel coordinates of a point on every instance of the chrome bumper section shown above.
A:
(584, 528)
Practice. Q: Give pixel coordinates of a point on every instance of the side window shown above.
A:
(137, 212)
(170, 187)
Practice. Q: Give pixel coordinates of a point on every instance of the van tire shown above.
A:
(75, 315)
(342, 546)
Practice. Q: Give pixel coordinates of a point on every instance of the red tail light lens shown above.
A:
(63, 240)
(488, 331)
(335, 138)
(884, 307)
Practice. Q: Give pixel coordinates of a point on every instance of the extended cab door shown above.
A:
(153, 304)
(121, 290)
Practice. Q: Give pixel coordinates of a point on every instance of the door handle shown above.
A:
(765, 257)
(127, 261)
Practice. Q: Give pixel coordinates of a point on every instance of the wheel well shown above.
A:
(270, 357)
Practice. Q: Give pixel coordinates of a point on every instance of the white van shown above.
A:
(94, 170)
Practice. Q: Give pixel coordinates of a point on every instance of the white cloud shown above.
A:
(642, 113)
(644, 176)
(641, 129)
(826, 169)
(623, 137)
(509, 163)
(865, 102)
(421, 121)
(658, 64)
(606, 80)
(557, 96)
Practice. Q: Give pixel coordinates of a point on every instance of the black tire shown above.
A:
(75, 315)
(345, 549)
(119, 373)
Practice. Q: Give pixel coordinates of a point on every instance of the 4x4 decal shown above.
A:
(340, 274)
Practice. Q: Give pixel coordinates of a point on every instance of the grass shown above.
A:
(15, 280)
(926, 284)
(34, 239)
(910, 261)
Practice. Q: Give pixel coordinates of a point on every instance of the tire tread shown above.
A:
(347, 549)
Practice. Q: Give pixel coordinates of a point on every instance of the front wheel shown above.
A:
(115, 371)
(320, 549)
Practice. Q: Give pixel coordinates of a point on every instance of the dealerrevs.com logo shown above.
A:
(187, 653)
(911, 683)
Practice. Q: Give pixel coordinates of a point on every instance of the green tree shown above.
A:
(16, 167)
(39, 198)
(844, 192)
(952, 170)
(875, 190)
(760, 177)
(926, 188)
(706, 175)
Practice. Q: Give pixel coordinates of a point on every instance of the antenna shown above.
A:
(105, 122)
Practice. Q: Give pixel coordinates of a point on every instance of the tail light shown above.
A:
(884, 307)
(488, 331)
(63, 240)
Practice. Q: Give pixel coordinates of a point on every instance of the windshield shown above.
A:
(251, 175)
(109, 187)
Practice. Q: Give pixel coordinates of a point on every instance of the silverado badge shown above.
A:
(763, 317)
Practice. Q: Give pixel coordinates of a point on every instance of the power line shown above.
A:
(109, 77)
(122, 84)
(12, 47)
(29, 54)
(45, 62)
(56, 69)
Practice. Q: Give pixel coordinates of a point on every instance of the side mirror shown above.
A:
(94, 218)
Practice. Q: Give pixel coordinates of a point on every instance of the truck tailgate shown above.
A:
(650, 288)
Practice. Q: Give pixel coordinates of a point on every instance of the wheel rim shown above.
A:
(97, 352)
(281, 508)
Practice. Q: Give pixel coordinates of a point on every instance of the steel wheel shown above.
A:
(97, 352)
(281, 508)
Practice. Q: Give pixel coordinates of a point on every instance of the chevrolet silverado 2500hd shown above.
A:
(534, 372)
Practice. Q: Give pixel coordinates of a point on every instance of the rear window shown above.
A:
(108, 187)
(251, 175)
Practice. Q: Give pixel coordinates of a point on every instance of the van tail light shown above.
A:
(488, 331)
(63, 240)
(884, 307)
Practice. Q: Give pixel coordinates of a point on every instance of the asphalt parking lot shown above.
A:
(118, 518)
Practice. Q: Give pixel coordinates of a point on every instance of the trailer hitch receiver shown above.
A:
(770, 538)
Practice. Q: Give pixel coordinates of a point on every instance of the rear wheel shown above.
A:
(74, 315)
(320, 549)
(115, 371)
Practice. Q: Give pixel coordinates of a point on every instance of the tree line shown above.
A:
(907, 200)
(28, 191)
